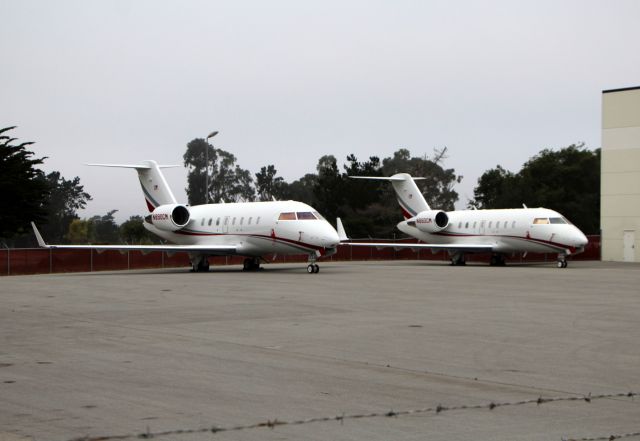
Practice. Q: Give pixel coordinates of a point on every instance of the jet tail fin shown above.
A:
(154, 185)
(407, 192)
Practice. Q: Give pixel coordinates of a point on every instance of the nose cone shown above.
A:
(581, 239)
(577, 239)
(330, 238)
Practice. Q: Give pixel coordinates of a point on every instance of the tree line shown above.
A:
(567, 180)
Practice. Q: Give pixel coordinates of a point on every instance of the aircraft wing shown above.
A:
(209, 249)
(415, 246)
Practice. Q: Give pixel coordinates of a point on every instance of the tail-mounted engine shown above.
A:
(432, 221)
(170, 217)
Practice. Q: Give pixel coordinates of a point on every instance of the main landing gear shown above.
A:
(458, 259)
(251, 264)
(200, 265)
(497, 260)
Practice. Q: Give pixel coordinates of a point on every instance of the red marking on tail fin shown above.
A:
(149, 206)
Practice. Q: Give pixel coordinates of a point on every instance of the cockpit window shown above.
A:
(305, 215)
(287, 216)
(557, 220)
(540, 220)
(318, 215)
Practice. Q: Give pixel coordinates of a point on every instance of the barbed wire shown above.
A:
(391, 413)
(605, 437)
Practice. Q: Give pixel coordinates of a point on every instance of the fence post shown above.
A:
(162, 254)
(128, 259)
(8, 261)
(50, 260)
(90, 260)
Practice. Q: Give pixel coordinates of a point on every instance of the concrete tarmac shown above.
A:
(96, 354)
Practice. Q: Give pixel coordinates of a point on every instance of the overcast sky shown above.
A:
(286, 82)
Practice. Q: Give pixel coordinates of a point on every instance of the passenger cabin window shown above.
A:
(466, 225)
(474, 224)
(305, 215)
(459, 224)
(285, 216)
(258, 220)
(202, 222)
(249, 221)
(490, 222)
(540, 221)
(226, 220)
(506, 224)
(210, 221)
(557, 220)
(234, 221)
(513, 224)
(241, 220)
(218, 221)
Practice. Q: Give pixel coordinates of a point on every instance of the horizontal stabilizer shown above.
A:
(136, 166)
(408, 194)
(385, 178)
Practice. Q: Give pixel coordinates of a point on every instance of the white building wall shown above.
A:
(620, 179)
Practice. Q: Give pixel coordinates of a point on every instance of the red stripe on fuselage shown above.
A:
(528, 239)
(259, 236)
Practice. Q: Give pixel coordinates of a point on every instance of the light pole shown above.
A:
(206, 167)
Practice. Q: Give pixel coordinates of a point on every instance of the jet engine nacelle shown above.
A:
(170, 217)
(432, 221)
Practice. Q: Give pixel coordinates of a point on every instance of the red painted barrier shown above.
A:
(43, 261)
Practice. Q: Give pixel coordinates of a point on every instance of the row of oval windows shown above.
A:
(233, 222)
(482, 224)
(536, 221)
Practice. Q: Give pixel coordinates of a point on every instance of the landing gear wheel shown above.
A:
(311, 268)
(316, 268)
(562, 263)
(251, 264)
(497, 260)
(201, 267)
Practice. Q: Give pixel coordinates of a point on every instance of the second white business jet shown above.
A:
(499, 232)
(250, 229)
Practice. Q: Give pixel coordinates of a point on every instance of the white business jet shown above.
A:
(250, 229)
(499, 232)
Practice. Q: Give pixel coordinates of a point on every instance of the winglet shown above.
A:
(39, 238)
(342, 235)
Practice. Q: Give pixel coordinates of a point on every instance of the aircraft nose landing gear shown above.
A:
(562, 261)
(313, 268)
